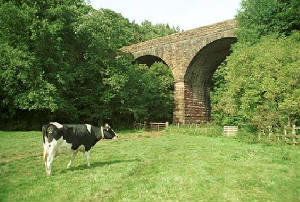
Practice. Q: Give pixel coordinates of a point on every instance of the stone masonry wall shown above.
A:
(197, 106)
(177, 51)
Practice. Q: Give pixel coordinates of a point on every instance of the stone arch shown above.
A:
(197, 79)
(149, 60)
(184, 52)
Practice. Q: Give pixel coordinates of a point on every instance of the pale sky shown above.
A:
(187, 14)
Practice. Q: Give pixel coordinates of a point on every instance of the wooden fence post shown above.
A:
(270, 131)
(259, 134)
(294, 130)
(294, 134)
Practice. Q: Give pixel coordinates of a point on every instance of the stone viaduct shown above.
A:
(193, 57)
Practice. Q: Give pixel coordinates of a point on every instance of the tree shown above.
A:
(147, 94)
(60, 60)
(258, 18)
(258, 84)
(149, 31)
(262, 83)
(34, 38)
(158, 93)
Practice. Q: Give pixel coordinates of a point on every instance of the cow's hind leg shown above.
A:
(50, 159)
(74, 153)
(87, 155)
(45, 155)
(50, 154)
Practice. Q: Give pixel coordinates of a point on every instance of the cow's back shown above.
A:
(78, 134)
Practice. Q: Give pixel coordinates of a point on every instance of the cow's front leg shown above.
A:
(87, 155)
(74, 153)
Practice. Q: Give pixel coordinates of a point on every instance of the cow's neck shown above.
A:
(99, 133)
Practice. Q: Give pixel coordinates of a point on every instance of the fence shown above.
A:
(139, 126)
(293, 138)
(230, 130)
(151, 126)
(162, 125)
(158, 126)
(289, 139)
(293, 129)
(191, 125)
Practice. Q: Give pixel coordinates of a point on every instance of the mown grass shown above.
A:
(176, 165)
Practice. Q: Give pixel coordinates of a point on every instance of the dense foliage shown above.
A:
(258, 18)
(259, 84)
(262, 83)
(60, 60)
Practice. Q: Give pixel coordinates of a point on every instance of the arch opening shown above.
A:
(149, 60)
(160, 93)
(197, 79)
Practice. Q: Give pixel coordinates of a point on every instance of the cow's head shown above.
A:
(108, 132)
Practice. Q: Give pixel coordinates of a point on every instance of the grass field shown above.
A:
(176, 165)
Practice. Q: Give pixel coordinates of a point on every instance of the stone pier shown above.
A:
(193, 56)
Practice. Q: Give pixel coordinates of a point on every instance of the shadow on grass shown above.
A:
(97, 164)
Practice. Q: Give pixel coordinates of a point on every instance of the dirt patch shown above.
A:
(144, 135)
(18, 157)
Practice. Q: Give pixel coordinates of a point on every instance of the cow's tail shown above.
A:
(44, 131)
(45, 141)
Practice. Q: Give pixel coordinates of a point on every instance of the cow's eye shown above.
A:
(49, 145)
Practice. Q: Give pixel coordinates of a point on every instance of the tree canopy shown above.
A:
(60, 60)
(258, 18)
(259, 83)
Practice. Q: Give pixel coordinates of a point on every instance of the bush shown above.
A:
(262, 87)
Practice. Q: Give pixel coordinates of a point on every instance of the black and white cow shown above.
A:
(73, 137)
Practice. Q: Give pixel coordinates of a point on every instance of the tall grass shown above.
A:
(205, 129)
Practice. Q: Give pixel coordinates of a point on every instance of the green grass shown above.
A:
(177, 165)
